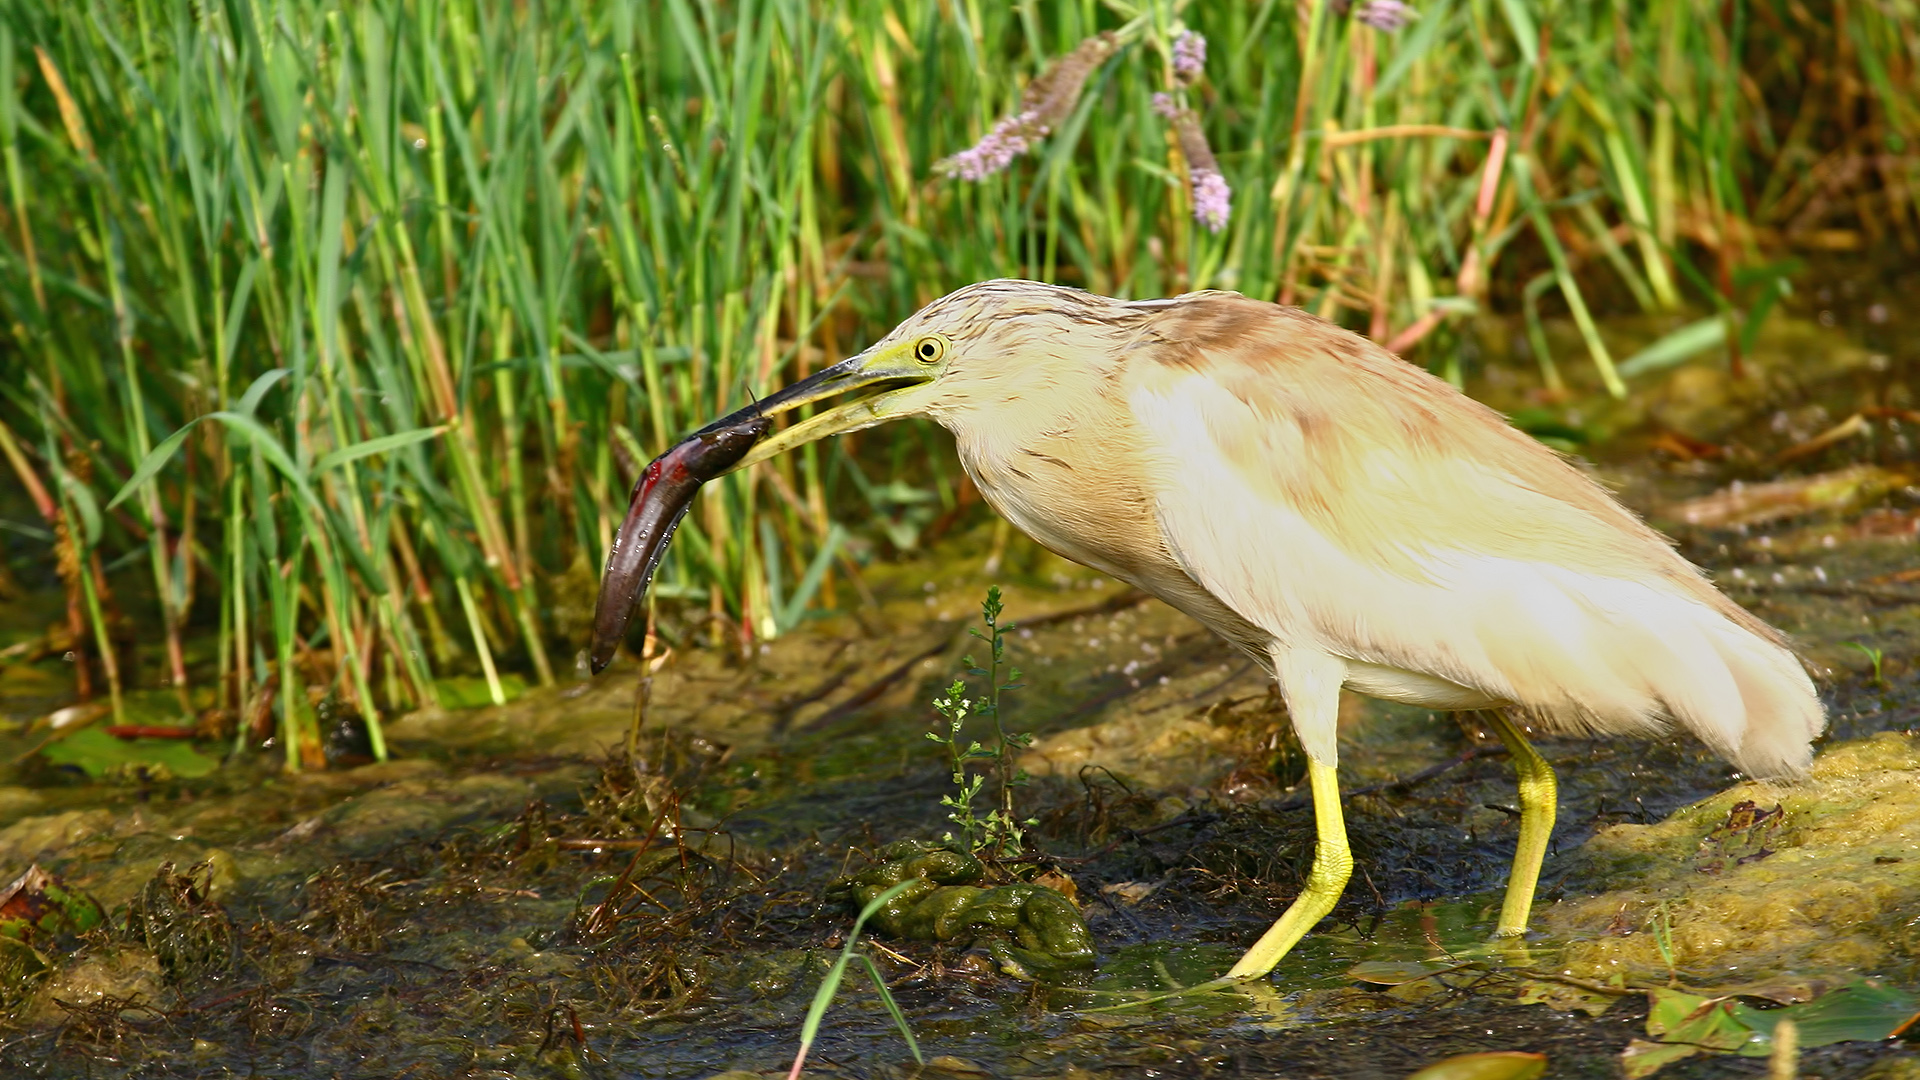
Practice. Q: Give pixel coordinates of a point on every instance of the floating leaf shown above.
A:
(1680, 1017)
(1399, 972)
(1860, 1012)
(1786, 990)
(1565, 998)
(39, 904)
(1493, 1065)
(97, 753)
(1687, 1023)
(1643, 1058)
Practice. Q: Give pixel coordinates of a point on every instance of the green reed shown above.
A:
(337, 327)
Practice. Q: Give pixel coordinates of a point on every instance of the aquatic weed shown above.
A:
(1661, 923)
(1875, 656)
(1006, 744)
(349, 906)
(176, 919)
(954, 708)
(1001, 832)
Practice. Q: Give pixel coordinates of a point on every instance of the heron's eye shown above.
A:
(929, 350)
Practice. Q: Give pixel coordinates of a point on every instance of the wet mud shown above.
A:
(516, 894)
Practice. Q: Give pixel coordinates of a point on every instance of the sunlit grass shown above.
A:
(432, 271)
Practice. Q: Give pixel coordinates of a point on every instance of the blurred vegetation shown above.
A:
(389, 296)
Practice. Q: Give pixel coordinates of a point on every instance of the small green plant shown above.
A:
(954, 707)
(1877, 657)
(1662, 926)
(830, 985)
(1008, 774)
(1000, 832)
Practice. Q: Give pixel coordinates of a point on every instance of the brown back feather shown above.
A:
(1394, 463)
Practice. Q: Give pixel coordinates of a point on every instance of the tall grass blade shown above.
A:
(830, 983)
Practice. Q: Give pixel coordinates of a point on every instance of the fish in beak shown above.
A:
(881, 377)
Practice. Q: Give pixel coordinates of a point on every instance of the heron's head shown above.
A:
(995, 341)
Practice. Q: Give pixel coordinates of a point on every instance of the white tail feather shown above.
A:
(1659, 658)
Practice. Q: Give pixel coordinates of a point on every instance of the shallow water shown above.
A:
(494, 902)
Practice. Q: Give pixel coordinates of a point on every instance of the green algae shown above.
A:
(1835, 888)
(119, 981)
(1028, 927)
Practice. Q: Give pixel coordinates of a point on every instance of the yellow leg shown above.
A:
(1539, 793)
(1332, 866)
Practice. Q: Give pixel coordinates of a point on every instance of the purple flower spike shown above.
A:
(1164, 106)
(1048, 100)
(1386, 15)
(995, 151)
(1212, 199)
(1189, 56)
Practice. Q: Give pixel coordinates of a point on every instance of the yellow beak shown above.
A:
(881, 379)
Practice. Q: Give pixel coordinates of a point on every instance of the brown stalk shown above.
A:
(1383, 274)
(69, 110)
(1334, 139)
(66, 557)
(1468, 283)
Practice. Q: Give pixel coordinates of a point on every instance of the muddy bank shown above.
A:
(511, 897)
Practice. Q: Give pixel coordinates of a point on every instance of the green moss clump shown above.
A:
(1828, 884)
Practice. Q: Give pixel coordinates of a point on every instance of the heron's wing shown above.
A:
(1381, 457)
(1346, 501)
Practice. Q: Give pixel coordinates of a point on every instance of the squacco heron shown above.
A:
(1340, 516)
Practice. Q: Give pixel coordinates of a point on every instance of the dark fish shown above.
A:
(659, 501)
